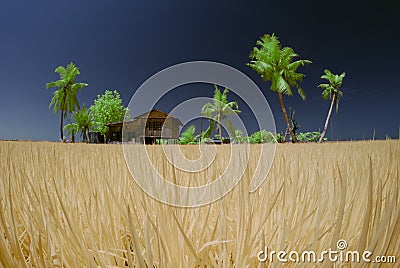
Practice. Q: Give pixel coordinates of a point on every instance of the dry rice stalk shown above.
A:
(76, 205)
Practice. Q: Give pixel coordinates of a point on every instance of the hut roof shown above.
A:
(153, 114)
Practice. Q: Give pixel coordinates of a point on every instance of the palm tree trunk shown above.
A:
(327, 119)
(220, 132)
(201, 128)
(62, 114)
(294, 139)
(219, 129)
(61, 125)
(84, 135)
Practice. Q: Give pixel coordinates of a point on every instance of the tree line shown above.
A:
(275, 64)
(107, 108)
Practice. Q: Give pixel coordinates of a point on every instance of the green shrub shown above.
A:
(188, 137)
(262, 136)
(310, 136)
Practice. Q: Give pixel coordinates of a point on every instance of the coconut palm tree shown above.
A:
(65, 97)
(219, 110)
(72, 129)
(84, 121)
(276, 64)
(331, 90)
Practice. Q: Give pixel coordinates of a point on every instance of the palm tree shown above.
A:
(84, 121)
(277, 65)
(331, 91)
(72, 129)
(64, 98)
(219, 110)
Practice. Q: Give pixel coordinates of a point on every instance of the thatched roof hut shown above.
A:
(147, 128)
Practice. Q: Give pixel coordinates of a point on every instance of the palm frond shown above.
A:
(78, 86)
(276, 64)
(332, 88)
(328, 73)
(279, 84)
(326, 94)
(188, 137)
(57, 83)
(207, 110)
(296, 64)
(71, 129)
(286, 56)
(231, 129)
(301, 93)
(209, 130)
(61, 71)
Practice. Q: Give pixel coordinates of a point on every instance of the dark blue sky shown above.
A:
(119, 44)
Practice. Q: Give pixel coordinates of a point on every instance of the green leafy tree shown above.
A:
(65, 97)
(84, 122)
(219, 110)
(188, 137)
(277, 65)
(72, 129)
(331, 90)
(107, 108)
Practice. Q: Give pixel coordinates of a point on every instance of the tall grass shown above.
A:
(76, 205)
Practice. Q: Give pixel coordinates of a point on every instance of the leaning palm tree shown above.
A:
(276, 64)
(331, 90)
(219, 110)
(64, 98)
(84, 121)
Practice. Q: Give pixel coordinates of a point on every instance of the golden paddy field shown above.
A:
(76, 205)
